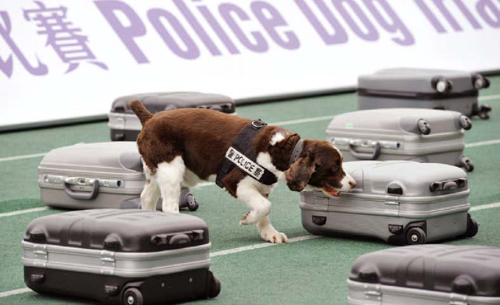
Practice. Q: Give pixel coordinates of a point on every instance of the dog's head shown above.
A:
(319, 166)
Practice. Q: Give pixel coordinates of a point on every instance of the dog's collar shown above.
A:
(297, 150)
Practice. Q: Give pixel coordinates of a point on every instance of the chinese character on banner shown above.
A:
(7, 66)
(257, 172)
(66, 39)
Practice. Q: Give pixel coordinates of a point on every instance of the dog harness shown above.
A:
(241, 153)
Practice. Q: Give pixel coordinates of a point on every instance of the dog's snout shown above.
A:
(348, 183)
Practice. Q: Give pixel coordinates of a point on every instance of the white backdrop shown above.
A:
(370, 35)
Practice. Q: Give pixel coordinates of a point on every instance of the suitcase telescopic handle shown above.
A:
(366, 156)
(83, 195)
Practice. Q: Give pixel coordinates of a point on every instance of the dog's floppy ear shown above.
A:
(300, 172)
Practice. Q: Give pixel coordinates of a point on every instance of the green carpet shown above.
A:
(306, 272)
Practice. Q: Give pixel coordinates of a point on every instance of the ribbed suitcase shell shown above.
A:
(99, 254)
(423, 88)
(125, 126)
(394, 134)
(393, 201)
(68, 176)
(427, 274)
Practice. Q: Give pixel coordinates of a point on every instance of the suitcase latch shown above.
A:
(120, 123)
(40, 252)
(391, 200)
(108, 262)
(391, 205)
(457, 299)
(53, 179)
(373, 293)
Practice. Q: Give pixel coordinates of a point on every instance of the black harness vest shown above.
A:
(242, 154)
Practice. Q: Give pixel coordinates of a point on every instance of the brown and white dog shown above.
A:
(185, 146)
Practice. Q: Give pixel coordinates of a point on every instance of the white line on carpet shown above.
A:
(203, 184)
(15, 158)
(489, 97)
(307, 120)
(14, 292)
(23, 212)
(483, 143)
(260, 246)
(485, 207)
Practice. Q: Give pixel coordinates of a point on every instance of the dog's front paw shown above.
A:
(273, 236)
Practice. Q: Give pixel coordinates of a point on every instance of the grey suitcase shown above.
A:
(125, 126)
(400, 202)
(131, 257)
(424, 135)
(423, 88)
(427, 275)
(97, 175)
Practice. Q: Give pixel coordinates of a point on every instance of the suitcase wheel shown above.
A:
(215, 287)
(132, 296)
(424, 127)
(483, 112)
(192, 204)
(415, 236)
(465, 122)
(441, 85)
(466, 163)
(480, 81)
(472, 227)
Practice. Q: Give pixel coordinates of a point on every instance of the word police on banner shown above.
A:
(67, 60)
(365, 19)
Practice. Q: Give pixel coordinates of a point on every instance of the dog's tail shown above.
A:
(142, 113)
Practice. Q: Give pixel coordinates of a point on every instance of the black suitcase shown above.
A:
(125, 126)
(427, 275)
(115, 256)
(423, 88)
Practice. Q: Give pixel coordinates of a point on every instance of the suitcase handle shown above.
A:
(366, 156)
(83, 195)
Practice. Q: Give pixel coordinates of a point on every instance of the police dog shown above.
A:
(186, 146)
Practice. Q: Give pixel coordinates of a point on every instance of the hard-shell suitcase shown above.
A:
(96, 175)
(423, 88)
(125, 126)
(131, 257)
(401, 202)
(424, 135)
(427, 275)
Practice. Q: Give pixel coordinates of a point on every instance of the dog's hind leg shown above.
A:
(151, 192)
(169, 176)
